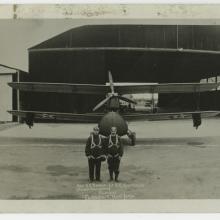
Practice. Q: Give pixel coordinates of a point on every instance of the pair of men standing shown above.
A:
(99, 148)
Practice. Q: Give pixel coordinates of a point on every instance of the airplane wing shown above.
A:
(168, 116)
(60, 87)
(121, 89)
(167, 88)
(95, 117)
(88, 117)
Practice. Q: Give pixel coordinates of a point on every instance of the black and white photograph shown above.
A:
(109, 109)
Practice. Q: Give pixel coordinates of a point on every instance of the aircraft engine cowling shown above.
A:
(113, 119)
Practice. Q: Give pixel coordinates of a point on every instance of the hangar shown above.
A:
(9, 99)
(85, 55)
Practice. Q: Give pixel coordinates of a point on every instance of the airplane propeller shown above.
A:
(112, 94)
(111, 83)
(101, 103)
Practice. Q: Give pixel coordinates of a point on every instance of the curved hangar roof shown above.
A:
(132, 52)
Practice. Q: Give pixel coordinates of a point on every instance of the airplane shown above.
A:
(112, 116)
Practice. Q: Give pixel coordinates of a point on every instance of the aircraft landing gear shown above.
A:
(29, 120)
(132, 137)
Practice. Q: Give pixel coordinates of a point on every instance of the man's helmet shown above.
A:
(113, 130)
(96, 128)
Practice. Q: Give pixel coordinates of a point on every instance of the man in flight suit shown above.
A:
(95, 153)
(114, 153)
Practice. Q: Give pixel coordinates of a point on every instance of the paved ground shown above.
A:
(172, 160)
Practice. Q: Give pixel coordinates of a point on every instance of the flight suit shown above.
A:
(114, 152)
(95, 152)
